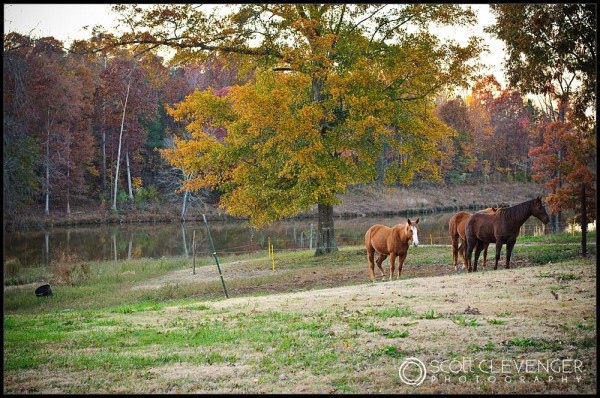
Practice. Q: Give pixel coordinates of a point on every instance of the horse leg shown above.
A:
(485, 249)
(371, 260)
(499, 244)
(471, 242)
(468, 251)
(455, 250)
(401, 259)
(478, 248)
(461, 249)
(509, 249)
(380, 260)
(392, 264)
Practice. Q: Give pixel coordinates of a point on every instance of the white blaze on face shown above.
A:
(415, 236)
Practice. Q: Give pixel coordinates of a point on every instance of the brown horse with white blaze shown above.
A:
(456, 227)
(501, 227)
(393, 242)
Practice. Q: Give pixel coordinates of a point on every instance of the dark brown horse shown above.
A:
(456, 227)
(500, 227)
(393, 242)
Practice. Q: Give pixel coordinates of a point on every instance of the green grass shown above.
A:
(431, 314)
(283, 342)
(393, 312)
(489, 346)
(117, 338)
(395, 334)
(503, 314)
(463, 321)
(497, 322)
(526, 343)
(559, 276)
(559, 238)
(555, 288)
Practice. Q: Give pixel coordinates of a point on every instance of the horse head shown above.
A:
(412, 229)
(538, 210)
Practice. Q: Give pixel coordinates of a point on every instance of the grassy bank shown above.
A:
(378, 199)
(369, 200)
(147, 326)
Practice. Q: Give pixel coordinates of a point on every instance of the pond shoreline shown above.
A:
(362, 201)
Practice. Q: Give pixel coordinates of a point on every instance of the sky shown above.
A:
(66, 22)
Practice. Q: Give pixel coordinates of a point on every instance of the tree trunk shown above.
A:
(325, 232)
(68, 192)
(185, 247)
(103, 159)
(583, 221)
(562, 116)
(46, 248)
(184, 205)
(119, 151)
(559, 177)
(103, 130)
(129, 176)
(130, 246)
(47, 208)
(4, 217)
(114, 240)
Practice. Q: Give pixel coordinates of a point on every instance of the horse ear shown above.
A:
(416, 222)
(408, 221)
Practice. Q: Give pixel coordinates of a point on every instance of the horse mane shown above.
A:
(518, 211)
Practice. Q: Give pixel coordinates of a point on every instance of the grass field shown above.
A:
(315, 324)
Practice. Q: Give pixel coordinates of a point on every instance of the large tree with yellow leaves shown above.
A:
(333, 84)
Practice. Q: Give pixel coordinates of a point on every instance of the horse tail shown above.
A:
(470, 240)
(368, 239)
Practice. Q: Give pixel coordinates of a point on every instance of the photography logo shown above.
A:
(406, 371)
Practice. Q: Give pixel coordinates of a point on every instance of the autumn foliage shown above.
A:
(277, 108)
(562, 163)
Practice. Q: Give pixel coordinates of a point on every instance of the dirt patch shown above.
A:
(205, 273)
(300, 279)
(489, 291)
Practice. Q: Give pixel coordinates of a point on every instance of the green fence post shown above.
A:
(215, 255)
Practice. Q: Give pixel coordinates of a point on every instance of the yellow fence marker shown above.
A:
(271, 252)
(273, 256)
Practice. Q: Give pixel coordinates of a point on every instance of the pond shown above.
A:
(155, 240)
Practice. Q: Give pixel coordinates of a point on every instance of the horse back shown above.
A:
(482, 226)
(457, 224)
(377, 237)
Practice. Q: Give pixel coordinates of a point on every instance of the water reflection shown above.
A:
(126, 241)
